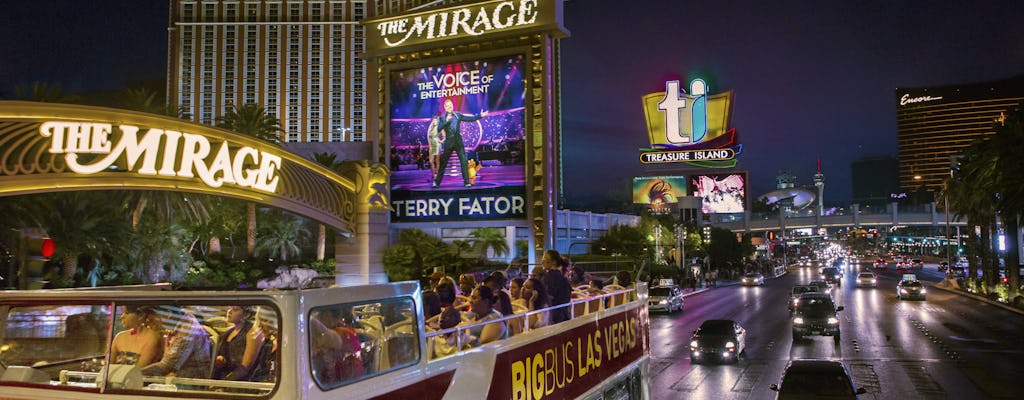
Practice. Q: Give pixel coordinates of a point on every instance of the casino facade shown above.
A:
(936, 123)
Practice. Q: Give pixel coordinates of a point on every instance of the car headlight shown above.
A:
(873, 280)
(663, 302)
(730, 345)
(904, 291)
(833, 321)
(798, 320)
(694, 344)
(922, 290)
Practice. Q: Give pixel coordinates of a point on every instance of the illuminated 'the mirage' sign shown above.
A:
(181, 154)
(472, 20)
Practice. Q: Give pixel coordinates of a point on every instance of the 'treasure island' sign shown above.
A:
(691, 128)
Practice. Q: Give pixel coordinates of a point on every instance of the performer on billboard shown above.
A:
(450, 123)
(434, 142)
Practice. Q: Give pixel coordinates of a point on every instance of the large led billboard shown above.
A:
(457, 140)
(690, 126)
(720, 193)
(659, 192)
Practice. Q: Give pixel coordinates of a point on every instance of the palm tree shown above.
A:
(146, 100)
(166, 206)
(485, 239)
(330, 161)
(999, 157)
(78, 222)
(43, 92)
(157, 251)
(283, 236)
(251, 119)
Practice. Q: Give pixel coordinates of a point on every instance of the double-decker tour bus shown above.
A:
(360, 342)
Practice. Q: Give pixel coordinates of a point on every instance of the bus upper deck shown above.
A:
(64, 343)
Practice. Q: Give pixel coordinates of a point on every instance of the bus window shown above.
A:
(52, 338)
(186, 348)
(350, 342)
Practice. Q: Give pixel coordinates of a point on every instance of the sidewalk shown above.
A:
(953, 287)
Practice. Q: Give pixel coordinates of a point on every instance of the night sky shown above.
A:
(811, 79)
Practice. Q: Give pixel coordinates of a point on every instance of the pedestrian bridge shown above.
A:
(852, 216)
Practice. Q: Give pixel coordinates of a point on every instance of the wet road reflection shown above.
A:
(945, 347)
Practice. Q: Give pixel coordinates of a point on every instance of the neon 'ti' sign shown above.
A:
(161, 152)
(691, 128)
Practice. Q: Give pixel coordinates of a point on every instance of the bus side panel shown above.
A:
(572, 362)
(428, 389)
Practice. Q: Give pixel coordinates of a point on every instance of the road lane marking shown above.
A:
(749, 378)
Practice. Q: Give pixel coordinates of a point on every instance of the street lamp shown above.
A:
(657, 243)
(681, 242)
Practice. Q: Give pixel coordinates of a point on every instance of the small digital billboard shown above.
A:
(660, 193)
(720, 193)
(457, 139)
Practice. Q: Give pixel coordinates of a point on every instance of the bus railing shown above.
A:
(577, 307)
(169, 383)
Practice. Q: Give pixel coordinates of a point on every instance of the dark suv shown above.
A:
(816, 314)
(814, 379)
(832, 275)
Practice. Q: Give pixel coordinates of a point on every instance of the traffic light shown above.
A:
(771, 236)
(35, 253)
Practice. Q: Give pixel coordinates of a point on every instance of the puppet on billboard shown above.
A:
(450, 124)
(474, 170)
(434, 142)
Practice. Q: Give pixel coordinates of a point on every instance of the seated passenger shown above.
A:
(188, 351)
(265, 368)
(239, 345)
(515, 293)
(466, 284)
(431, 304)
(335, 346)
(481, 310)
(536, 299)
(447, 344)
(143, 342)
(496, 281)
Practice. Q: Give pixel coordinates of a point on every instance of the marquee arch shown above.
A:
(43, 144)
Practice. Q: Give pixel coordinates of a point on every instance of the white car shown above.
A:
(753, 279)
(665, 298)
(867, 278)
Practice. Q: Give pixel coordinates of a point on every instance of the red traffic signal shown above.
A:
(40, 247)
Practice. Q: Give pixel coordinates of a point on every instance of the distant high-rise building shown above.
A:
(299, 59)
(935, 123)
(875, 181)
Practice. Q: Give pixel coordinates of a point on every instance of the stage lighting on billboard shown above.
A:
(720, 193)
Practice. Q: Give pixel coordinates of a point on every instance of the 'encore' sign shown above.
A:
(180, 154)
(472, 20)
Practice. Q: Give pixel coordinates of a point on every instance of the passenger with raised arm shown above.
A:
(482, 310)
(188, 351)
(239, 346)
(142, 343)
(335, 345)
(536, 299)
